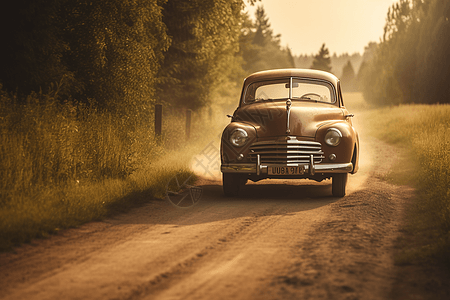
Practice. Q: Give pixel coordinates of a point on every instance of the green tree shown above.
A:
(290, 57)
(348, 78)
(117, 48)
(263, 34)
(389, 75)
(202, 54)
(259, 47)
(411, 61)
(433, 48)
(363, 83)
(32, 45)
(248, 51)
(114, 53)
(322, 60)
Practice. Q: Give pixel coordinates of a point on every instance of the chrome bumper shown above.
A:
(311, 168)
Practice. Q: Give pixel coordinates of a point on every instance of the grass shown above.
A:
(422, 132)
(64, 163)
(50, 209)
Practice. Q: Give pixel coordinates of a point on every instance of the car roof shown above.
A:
(302, 73)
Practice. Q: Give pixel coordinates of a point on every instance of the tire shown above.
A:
(231, 184)
(339, 184)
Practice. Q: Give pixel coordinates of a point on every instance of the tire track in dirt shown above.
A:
(132, 250)
(220, 244)
(349, 255)
(246, 259)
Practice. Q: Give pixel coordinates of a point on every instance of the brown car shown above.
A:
(290, 123)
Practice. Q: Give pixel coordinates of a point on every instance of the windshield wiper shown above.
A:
(267, 99)
(306, 98)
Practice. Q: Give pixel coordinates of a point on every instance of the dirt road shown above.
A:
(279, 240)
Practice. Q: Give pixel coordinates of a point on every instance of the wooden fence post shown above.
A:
(188, 123)
(158, 120)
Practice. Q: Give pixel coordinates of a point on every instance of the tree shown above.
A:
(32, 45)
(204, 42)
(290, 57)
(411, 61)
(433, 47)
(263, 34)
(322, 60)
(259, 47)
(363, 77)
(348, 78)
(122, 55)
(117, 47)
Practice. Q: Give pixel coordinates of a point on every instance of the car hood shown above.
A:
(270, 118)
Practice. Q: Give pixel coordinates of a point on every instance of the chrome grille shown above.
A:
(286, 152)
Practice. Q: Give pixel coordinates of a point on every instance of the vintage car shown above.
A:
(290, 123)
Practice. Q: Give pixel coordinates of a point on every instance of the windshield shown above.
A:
(302, 89)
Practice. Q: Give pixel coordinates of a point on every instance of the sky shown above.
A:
(345, 26)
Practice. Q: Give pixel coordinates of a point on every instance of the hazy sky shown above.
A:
(343, 25)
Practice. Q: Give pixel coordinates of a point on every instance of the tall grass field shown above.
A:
(422, 132)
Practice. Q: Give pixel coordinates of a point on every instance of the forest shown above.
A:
(410, 64)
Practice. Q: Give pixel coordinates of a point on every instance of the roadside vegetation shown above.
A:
(422, 133)
(410, 64)
(80, 164)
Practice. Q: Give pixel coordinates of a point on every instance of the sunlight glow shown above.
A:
(344, 26)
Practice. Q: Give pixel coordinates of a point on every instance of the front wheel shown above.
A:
(339, 184)
(231, 184)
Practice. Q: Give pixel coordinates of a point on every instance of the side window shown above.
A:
(340, 95)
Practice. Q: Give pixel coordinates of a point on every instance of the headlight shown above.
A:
(333, 137)
(239, 137)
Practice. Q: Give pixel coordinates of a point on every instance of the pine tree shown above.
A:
(259, 47)
(348, 78)
(32, 45)
(322, 60)
(263, 34)
(290, 57)
(202, 53)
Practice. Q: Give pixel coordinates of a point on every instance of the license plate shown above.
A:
(283, 170)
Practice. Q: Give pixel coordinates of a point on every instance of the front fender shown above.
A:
(355, 157)
(230, 153)
(344, 151)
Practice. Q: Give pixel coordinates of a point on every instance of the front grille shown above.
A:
(286, 152)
